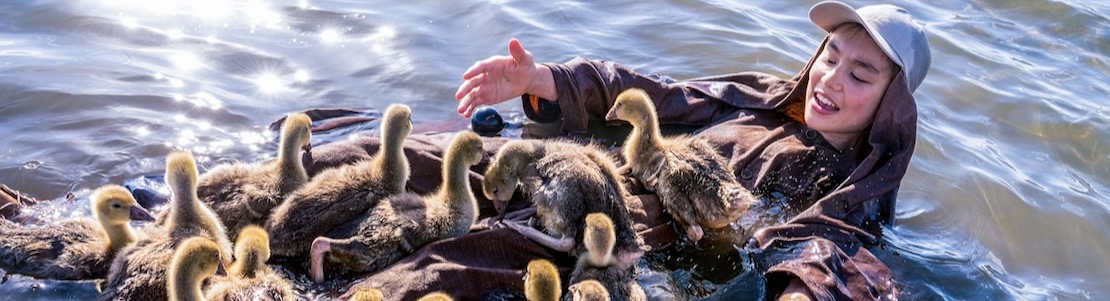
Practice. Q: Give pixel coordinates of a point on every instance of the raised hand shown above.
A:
(499, 78)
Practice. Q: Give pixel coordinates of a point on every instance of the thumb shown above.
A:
(519, 54)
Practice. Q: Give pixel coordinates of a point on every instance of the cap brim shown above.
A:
(830, 14)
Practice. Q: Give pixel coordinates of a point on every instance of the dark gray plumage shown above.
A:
(692, 180)
(597, 264)
(338, 195)
(402, 223)
(565, 181)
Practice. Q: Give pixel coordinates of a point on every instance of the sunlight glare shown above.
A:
(260, 14)
(269, 83)
(302, 76)
(141, 132)
(175, 34)
(330, 36)
(207, 100)
(186, 61)
(129, 23)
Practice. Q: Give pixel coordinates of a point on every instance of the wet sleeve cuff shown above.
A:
(539, 109)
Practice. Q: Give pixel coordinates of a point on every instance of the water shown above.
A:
(1006, 197)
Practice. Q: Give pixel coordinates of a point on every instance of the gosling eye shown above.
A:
(495, 190)
(116, 205)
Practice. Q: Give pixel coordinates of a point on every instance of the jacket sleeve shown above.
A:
(587, 89)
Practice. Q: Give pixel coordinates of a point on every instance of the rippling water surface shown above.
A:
(1006, 197)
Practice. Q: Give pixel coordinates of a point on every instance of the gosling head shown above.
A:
(114, 205)
(541, 282)
(467, 147)
(181, 173)
(632, 105)
(252, 250)
(296, 131)
(195, 259)
(588, 290)
(437, 296)
(367, 294)
(397, 122)
(505, 169)
(599, 238)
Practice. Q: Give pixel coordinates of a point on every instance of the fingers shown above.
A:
(470, 96)
(481, 67)
(519, 54)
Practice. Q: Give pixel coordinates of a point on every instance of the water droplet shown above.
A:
(32, 165)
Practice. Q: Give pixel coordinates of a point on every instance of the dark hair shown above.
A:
(851, 29)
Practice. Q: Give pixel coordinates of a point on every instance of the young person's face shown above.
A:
(846, 84)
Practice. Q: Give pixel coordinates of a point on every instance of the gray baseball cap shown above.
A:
(893, 29)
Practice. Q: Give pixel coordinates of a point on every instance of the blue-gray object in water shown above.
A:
(486, 121)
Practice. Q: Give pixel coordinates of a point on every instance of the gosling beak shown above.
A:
(220, 269)
(140, 214)
(307, 147)
(612, 115)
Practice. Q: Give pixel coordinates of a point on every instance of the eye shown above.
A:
(856, 78)
(116, 205)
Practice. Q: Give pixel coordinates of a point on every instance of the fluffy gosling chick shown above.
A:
(367, 294)
(338, 195)
(437, 296)
(196, 259)
(249, 278)
(599, 265)
(565, 181)
(245, 193)
(588, 290)
(541, 282)
(138, 272)
(692, 180)
(402, 223)
(75, 249)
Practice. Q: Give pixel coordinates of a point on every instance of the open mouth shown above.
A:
(825, 105)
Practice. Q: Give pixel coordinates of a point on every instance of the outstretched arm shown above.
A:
(500, 78)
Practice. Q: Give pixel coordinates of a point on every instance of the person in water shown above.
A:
(835, 139)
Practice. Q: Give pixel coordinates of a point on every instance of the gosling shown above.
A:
(565, 181)
(402, 223)
(437, 296)
(692, 180)
(75, 249)
(249, 278)
(194, 261)
(244, 194)
(341, 194)
(366, 294)
(138, 272)
(541, 281)
(588, 290)
(599, 265)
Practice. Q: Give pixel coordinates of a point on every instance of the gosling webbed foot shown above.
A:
(320, 247)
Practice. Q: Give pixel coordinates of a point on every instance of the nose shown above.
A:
(834, 77)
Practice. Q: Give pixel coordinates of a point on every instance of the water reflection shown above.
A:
(186, 61)
(270, 83)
